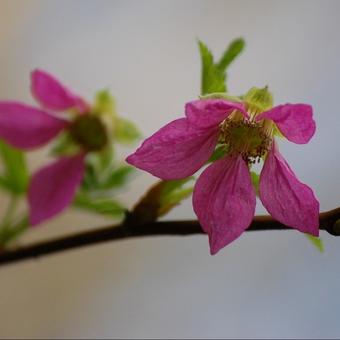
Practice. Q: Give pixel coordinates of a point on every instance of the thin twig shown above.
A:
(327, 222)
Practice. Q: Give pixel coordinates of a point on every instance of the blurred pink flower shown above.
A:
(224, 198)
(53, 187)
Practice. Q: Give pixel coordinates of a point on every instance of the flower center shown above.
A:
(89, 132)
(250, 139)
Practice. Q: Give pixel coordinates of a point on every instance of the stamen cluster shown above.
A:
(249, 138)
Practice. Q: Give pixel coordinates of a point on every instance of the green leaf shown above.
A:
(15, 177)
(102, 206)
(212, 77)
(316, 242)
(118, 177)
(231, 53)
(255, 179)
(126, 132)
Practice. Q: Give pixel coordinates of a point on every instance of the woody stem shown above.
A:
(328, 222)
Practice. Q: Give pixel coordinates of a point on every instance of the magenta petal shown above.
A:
(52, 94)
(295, 121)
(287, 199)
(26, 127)
(211, 112)
(53, 187)
(224, 201)
(175, 151)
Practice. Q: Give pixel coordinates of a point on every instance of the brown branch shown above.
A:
(127, 230)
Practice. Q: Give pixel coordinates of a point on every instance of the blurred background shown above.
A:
(264, 285)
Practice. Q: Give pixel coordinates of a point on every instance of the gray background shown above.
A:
(265, 285)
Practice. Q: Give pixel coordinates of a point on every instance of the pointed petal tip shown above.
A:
(35, 220)
(33, 74)
(36, 72)
(313, 230)
(52, 94)
(214, 247)
(53, 187)
(224, 201)
(213, 250)
(27, 127)
(130, 159)
(217, 241)
(288, 200)
(175, 151)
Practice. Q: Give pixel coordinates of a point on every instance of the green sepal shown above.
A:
(255, 179)
(221, 95)
(15, 175)
(220, 152)
(102, 175)
(104, 102)
(316, 242)
(259, 99)
(277, 132)
(105, 157)
(126, 132)
(90, 181)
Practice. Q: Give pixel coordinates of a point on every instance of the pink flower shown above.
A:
(53, 187)
(224, 198)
